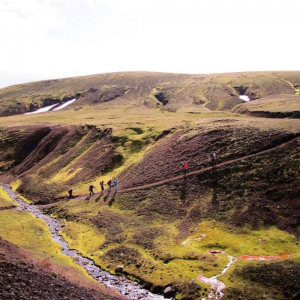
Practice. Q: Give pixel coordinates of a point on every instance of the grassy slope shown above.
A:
(22, 229)
(144, 229)
(180, 92)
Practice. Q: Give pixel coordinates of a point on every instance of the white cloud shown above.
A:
(54, 38)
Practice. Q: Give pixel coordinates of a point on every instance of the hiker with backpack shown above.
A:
(116, 181)
(102, 186)
(109, 183)
(91, 189)
(213, 157)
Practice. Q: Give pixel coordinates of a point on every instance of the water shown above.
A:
(126, 287)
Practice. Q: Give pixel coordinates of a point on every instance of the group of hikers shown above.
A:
(114, 183)
(111, 184)
(213, 156)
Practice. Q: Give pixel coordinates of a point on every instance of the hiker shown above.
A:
(91, 189)
(70, 192)
(185, 168)
(102, 186)
(213, 157)
(116, 184)
(109, 184)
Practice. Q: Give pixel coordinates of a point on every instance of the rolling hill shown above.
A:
(164, 228)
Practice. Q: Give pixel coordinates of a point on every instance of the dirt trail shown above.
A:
(157, 183)
(161, 182)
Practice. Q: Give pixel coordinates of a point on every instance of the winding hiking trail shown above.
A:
(190, 173)
(126, 287)
(157, 183)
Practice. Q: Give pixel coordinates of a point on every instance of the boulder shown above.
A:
(119, 269)
(168, 292)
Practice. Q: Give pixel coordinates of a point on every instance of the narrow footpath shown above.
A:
(126, 287)
(161, 182)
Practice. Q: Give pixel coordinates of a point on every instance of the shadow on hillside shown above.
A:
(112, 200)
(215, 186)
(183, 190)
(106, 196)
(99, 197)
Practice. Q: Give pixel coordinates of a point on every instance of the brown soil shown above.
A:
(204, 169)
(168, 157)
(21, 279)
(275, 280)
(260, 189)
(89, 148)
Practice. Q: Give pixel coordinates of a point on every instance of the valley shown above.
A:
(171, 233)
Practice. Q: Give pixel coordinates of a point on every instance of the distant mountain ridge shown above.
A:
(165, 91)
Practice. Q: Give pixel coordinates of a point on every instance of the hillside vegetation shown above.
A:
(160, 225)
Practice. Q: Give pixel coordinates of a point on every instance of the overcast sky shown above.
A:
(48, 39)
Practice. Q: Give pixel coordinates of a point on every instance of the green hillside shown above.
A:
(170, 92)
(166, 229)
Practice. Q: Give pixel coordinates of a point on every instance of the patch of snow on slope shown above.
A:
(65, 104)
(244, 97)
(40, 110)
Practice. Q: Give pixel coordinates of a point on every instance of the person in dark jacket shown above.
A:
(91, 189)
(70, 192)
(102, 186)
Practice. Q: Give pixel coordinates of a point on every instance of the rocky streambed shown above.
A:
(126, 287)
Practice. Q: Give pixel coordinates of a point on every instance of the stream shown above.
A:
(126, 287)
(217, 286)
(130, 289)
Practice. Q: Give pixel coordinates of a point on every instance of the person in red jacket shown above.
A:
(109, 184)
(185, 168)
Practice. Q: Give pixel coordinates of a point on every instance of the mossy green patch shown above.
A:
(33, 236)
(263, 280)
(270, 241)
(84, 238)
(5, 200)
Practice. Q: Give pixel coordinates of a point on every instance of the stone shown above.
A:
(168, 292)
(214, 251)
(119, 269)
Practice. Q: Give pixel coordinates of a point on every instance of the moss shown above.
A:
(25, 231)
(5, 200)
(276, 280)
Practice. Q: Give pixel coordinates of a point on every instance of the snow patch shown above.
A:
(40, 110)
(47, 108)
(244, 98)
(65, 104)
